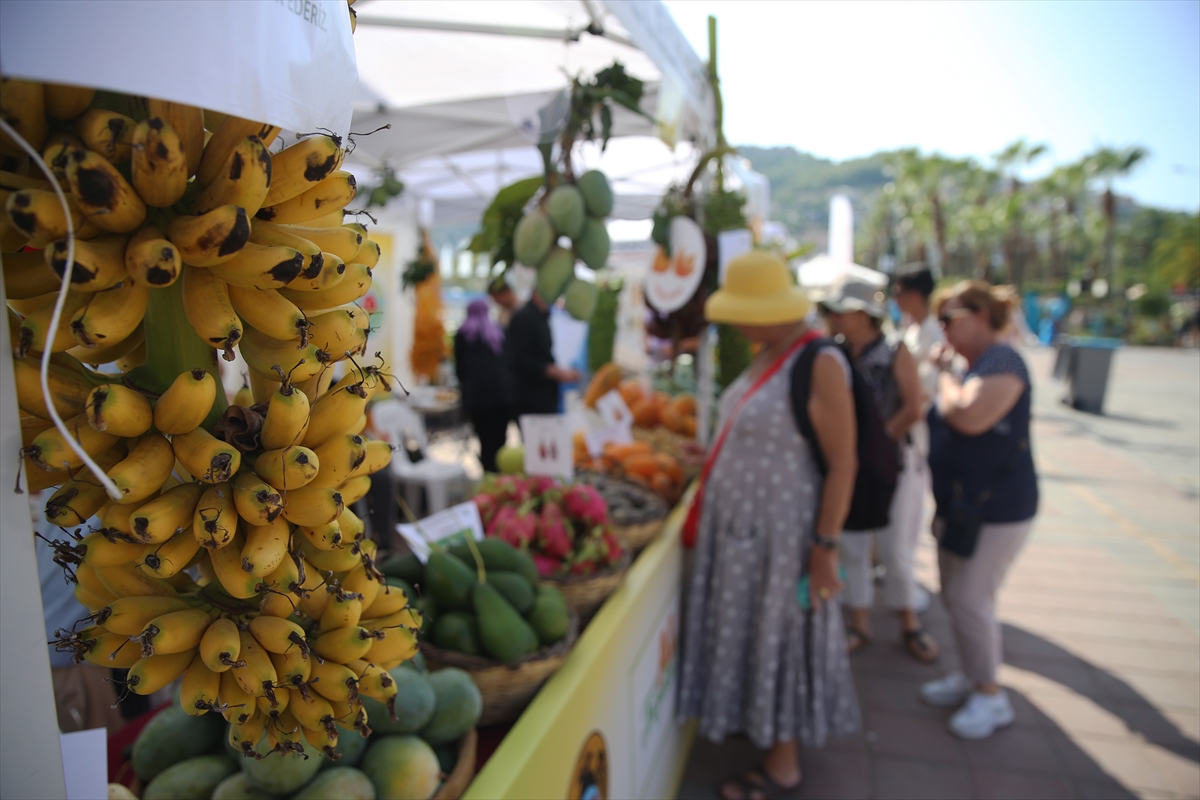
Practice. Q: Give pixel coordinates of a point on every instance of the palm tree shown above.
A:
(1108, 164)
(1062, 189)
(1008, 161)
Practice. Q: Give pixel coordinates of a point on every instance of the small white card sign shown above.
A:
(85, 767)
(457, 521)
(597, 438)
(613, 410)
(730, 245)
(548, 448)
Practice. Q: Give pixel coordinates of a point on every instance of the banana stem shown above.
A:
(172, 348)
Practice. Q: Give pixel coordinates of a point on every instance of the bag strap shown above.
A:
(801, 387)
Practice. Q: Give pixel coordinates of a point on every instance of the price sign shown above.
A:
(548, 448)
(597, 438)
(613, 410)
(456, 522)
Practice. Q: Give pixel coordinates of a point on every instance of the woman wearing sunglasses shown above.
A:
(986, 492)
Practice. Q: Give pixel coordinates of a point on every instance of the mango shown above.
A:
(593, 244)
(402, 767)
(533, 238)
(597, 193)
(549, 617)
(279, 773)
(449, 581)
(458, 706)
(457, 631)
(516, 590)
(566, 209)
(504, 635)
(414, 704)
(580, 299)
(191, 778)
(554, 274)
(498, 555)
(173, 736)
(344, 783)
(238, 787)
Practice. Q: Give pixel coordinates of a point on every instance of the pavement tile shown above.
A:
(1017, 750)
(1182, 772)
(897, 696)
(830, 773)
(1096, 758)
(911, 779)
(1105, 789)
(1009, 785)
(913, 737)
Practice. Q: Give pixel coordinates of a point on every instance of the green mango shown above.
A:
(414, 702)
(429, 614)
(516, 590)
(449, 582)
(173, 736)
(549, 617)
(401, 767)
(597, 193)
(533, 238)
(458, 706)
(505, 636)
(566, 209)
(407, 567)
(593, 244)
(554, 273)
(238, 787)
(581, 299)
(457, 631)
(498, 555)
(193, 777)
(342, 782)
(281, 773)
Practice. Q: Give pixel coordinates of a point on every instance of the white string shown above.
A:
(109, 487)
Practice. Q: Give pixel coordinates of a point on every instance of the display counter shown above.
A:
(604, 725)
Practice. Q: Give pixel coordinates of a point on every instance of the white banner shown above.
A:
(458, 521)
(286, 62)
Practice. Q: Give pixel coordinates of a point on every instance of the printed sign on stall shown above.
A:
(548, 447)
(613, 410)
(674, 278)
(597, 438)
(454, 523)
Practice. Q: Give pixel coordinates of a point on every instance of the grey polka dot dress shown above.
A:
(754, 661)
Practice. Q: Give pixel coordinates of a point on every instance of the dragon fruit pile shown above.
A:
(565, 528)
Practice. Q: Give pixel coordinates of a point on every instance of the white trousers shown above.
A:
(897, 543)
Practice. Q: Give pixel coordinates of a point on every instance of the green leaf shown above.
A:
(605, 126)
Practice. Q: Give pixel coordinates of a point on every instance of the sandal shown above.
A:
(856, 639)
(921, 645)
(755, 785)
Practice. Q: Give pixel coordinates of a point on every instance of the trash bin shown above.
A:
(1087, 362)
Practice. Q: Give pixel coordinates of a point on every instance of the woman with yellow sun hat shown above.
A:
(764, 653)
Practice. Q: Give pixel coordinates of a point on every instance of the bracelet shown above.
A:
(826, 542)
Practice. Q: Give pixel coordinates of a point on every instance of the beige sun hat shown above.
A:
(757, 291)
(854, 293)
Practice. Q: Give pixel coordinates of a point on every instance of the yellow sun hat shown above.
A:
(757, 291)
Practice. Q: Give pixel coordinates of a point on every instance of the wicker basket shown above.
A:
(457, 781)
(586, 593)
(505, 690)
(669, 442)
(636, 537)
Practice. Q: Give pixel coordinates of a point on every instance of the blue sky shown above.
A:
(965, 78)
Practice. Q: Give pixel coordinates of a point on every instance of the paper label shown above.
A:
(456, 522)
(85, 763)
(548, 447)
(613, 410)
(597, 438)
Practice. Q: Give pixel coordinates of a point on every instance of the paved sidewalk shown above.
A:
(1101, 618)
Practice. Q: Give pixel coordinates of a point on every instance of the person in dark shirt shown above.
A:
(487, 391)
(528, 350)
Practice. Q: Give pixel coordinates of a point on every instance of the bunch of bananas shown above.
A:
(231, 558)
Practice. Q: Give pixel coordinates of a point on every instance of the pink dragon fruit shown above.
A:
(585, 504)
(612, 544)
(554, 531)
(488, 505)
(518, 529)
(542, 485)
(588, 557)
(511, 489)
(501, 517)
(546, 565)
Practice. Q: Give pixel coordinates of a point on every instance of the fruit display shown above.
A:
(638, 461)
(177, 755)
(629, 504)
(650, 410)
(602, 330)
(429, 334)
(491, 606)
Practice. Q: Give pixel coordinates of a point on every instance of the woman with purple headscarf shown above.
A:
(487, 390)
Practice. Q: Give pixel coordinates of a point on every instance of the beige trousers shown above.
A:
(969, 587)
(85, 698)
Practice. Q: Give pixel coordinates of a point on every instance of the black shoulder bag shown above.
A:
(960, 535)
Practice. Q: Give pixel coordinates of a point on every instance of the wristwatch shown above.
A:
(825, 542)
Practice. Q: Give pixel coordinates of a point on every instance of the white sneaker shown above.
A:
(948, 692)
(982, 715)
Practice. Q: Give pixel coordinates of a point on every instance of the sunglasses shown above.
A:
(946, 317)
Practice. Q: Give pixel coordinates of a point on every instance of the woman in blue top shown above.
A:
(979, 455)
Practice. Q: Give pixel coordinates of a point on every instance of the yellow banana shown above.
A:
(220, 645)
(237, 705)
(151, 260)
(173, 632)
(279, 635)
(330, 274)
(171, 557)
(31, 426)
(283, 734)
(263, 353)
(66, 102)
(37, 214)
(312, 593)
(49, 450)
(144, 470)
(379, 455)
(58, 147)
(345, 644)
(277, 236)
(353, 286)
(338, 559)
(355, 489)
(333, 681)
(322, 537)
(126, 580)
(269, 312)
(112, 650)
(244, 737)
(35, 333)
(152, 673)
(360, 582)
(166, 515)
(359, 425)
(338, 458)
(243, 181)
(22, 105)
(207, 306)
(207, 458)
(333, 413)
(335, 332)
(325, 738)
(26, 275)
(388, 600)
(341, 242)
(102, 194)
(216, 519)
(99, 263)
(279, 604)
(200, 689)
(14, 181)
(225, 138)
(292, 669)
(68, 389)
(368, 255)
(107, 132)
(258, 677)
(244, 396)
(159, 167)
(102, 551)
(185, 404)
(376, 683)
(312, 711)
(286, 421)
(343, 610)
(110, 316)
(256, 502)
(119, 410)
(305, 164)
(188, 122)
(227, 564)
(135, 358)
(266, 547)
(116, 522)
(334, 192)
(208, 239)
(260, 266)
(312, 506)
(393, 644)
(87, 577)
(287, 469)
(75, 502)
(333, 219)
(110, 353)
(407, 617)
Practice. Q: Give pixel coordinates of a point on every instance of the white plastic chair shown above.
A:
(398, 424)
